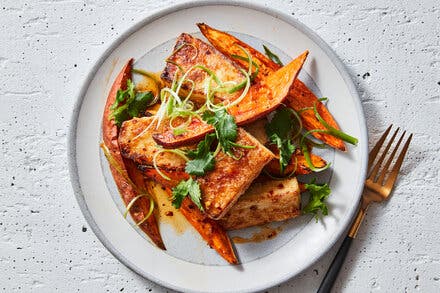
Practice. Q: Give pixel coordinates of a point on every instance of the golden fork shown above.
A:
(378, 187)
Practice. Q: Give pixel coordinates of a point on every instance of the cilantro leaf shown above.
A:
(129, 104)
(272, 56)
(279, 130)
(203, 148)
(202, 157)
(199, 166)
(225, 128)
(120, 115)
(123, 95)
(318, 194)
(139, 104)
(187, 188)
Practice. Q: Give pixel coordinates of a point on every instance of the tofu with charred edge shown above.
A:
(190, 51)
(265, 201)
(220, 187)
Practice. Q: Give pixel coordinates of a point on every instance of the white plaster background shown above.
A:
(391, 48)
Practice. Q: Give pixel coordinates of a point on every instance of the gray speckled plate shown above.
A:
(188, 264)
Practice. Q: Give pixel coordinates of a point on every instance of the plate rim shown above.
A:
(71, 140)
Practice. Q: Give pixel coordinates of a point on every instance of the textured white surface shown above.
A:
(391, 48)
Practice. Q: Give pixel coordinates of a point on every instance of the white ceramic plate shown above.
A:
(188, 264)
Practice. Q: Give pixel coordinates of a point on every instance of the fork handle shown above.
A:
(335, 267)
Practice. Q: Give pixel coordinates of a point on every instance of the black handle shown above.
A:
(335, 267)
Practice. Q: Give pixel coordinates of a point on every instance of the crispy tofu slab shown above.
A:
(231, 177)
(262, 98)
(126, 167)
(265, 201)
(220, 187)
(137, 144)
(190, 51)
(300, 96)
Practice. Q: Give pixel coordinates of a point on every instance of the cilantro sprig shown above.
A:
(129, 104)
(226, 130)
(185, 188)
(318, 194)
(202, 157)
(279, 130)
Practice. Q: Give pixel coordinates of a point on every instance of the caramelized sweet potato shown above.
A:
(127, 191)
(299, 96)
(297, 165)
(263, 97)
(210, 230)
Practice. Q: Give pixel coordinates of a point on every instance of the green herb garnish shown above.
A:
(318, 194)
(225, 128)
(187, 188)
(129, 104)
(333, 131)
(202, 157)
(279, 130)
(272, 56)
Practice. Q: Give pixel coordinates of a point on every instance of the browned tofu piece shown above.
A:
(190, 51)
(136, 143)
(220, 187)
(231, 177)
(265, 201)
(257, 130)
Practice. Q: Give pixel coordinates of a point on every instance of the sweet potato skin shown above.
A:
(263, 97)
(210, 230)
(299, 96)
(127, 191)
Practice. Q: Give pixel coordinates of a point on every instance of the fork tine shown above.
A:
(390, 159)
(373, 153)
(396, 168)
(382, 157)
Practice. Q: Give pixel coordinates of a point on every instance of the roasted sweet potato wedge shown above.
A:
(263, 97)
(299, 96)
(127, 191)
(210, 230)
(265, 201)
